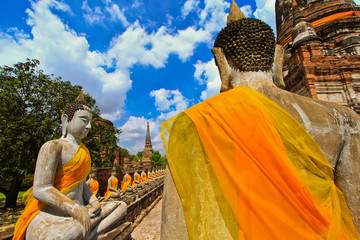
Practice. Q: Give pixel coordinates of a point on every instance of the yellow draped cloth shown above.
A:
(67, 178)
(252, 172)
(137, 177)
(94, 186)
(144, 178)
(114, 184)
(127, 183)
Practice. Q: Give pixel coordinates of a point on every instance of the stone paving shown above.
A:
(149, 227)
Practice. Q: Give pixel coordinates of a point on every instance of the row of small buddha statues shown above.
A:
(128, 184)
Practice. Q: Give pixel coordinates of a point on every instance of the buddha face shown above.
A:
(80, 124)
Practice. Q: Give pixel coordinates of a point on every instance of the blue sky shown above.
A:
(142, 60)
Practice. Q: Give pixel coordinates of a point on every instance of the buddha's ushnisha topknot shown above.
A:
(78, 104)
(248, 44)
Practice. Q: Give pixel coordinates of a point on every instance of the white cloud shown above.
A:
(213, 16)
(65, 53)
(135, 45)
(11, 50)
(207, 73)
(134, 133)
(161, 99)
(137, 4)
(266, 12)
(117, 14)
(169, 20)
(189, 6)
(97, 14)
(246, 10)
(94, 15)
(169, 102)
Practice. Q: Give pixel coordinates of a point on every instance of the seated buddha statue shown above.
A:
(319, 142)
(126, 182)
(137, 178)
(112, 190)
(92, 182)
(60, 205)
(143, 176)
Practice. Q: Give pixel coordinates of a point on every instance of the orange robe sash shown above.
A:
(67, 178)
(137, 177)
(144, 178)
(114, 184)
(262, 175)
(127, 183)
(94, 186)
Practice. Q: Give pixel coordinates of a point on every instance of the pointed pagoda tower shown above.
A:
(148, 147)
(321, 40)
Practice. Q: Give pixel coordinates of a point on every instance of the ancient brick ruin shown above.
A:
(321, 39)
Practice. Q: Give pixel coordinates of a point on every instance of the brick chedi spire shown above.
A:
(303, 32)
(148, 147)
(321, 40)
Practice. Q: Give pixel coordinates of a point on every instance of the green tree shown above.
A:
(125, 152)
(102, 141)
(156, 159)
(133, 158)
(139, 155)
(30, 106)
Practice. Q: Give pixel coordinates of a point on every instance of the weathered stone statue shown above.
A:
(143, 176)
(334, 128)
(149, 174)
(126, 183)
(61, 205)
(137, 177)
(92, 182)
(112, 190)
(153, 174)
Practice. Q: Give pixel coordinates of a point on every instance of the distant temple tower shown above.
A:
(148, 147)
(321, 39)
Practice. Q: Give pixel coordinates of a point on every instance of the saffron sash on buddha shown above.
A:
(137, 177)
(67, 178)
(252, 172)
(94, 186)
(144, 178)
(127, 183)
(114, 184)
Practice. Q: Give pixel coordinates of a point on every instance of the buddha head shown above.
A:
(93, 173)
(244, 45)
(113, 171)
(76, 118)
(248, 45)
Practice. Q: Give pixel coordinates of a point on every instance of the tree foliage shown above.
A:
(157, 160)
(139, 155)
(30, 111)
(102, 141)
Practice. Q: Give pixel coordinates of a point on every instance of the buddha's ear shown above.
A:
(278, 66)
(223, 67)
(64, 123)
